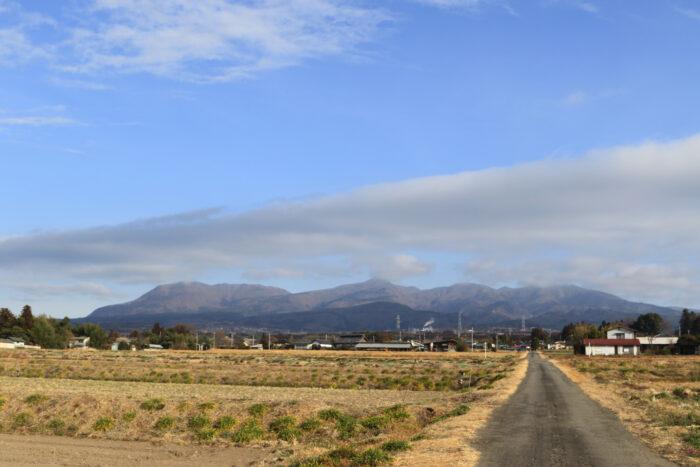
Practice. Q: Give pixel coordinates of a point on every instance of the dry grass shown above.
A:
(323, 369)
(656, 397)
(450, 440)
(94, 395)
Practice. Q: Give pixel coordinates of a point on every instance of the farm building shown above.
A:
(11, 343)
(449, 345)
(611, 346)
(81, 342)
(316, 344)
(390, 346)
(348, 341)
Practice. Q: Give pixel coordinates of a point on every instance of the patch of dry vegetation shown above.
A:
(332, 370)
(69, 393)
(656, 397)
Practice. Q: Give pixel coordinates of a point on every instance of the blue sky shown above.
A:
(309, 143)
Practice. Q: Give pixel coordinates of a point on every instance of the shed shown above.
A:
(611, 346)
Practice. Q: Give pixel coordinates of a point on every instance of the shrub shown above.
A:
(205, 435)
(207, 406)
(36, 399)
(225, 423)
(153, 404)
(3, 401)
(485, 386)
(103, 424)
(343, 452)
(396, 446)
(251, 430)
(165, 423)
(282, 423)
(199, 422)
(129, 417)
(375, 422)
(330, 414)
(259, 409)
(457, 411)
(311, 424)
(184, 406)
(57, 426)
(283, 427)
(371, 456)
(21, 419)
(346, 427)
(397, 412)
(693, 438)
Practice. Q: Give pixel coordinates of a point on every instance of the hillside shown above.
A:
(368, 305)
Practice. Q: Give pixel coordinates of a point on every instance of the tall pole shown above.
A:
(459, 325)
(472, 331)
(196, 339)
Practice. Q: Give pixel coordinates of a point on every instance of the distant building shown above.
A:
(348, 341)
(390, 346)
(611, 346)
(449, 345)
(315, 344)
(81, 342)
(13, 343)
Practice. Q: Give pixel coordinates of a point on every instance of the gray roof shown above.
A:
(384, 345)
(350, 339)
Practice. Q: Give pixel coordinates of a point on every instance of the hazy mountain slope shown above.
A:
(270, 307)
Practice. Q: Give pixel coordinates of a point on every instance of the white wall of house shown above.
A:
(620, 333)
(594, 350)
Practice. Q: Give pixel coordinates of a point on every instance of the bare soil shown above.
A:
(20, 451)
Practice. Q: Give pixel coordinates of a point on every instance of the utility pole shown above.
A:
(196, 339)
(484, 349)
(269, 341)
(472, 331)
(398, 325)
(459, 325)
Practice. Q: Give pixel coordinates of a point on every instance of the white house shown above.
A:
(316, 344)
(620, 333)
(611, 346)
(80, 342)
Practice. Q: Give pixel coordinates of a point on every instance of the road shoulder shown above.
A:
(633, 419)
(451, 440)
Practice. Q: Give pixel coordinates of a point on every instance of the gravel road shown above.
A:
(549, 421)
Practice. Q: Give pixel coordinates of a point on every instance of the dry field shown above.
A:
(306, 408)
(657, 397)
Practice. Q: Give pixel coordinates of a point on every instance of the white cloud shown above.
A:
(216, 40)
(635, 206)
(575, 98)
(689, 13)
(90, 289)
(80, 84)
(38, 121)
(399, 267)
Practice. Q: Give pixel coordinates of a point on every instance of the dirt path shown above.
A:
(18, 450)
(549, 421)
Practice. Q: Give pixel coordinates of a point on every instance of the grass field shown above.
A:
(657, 397)
(315, 408)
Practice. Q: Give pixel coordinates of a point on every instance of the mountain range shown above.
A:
(370, 305)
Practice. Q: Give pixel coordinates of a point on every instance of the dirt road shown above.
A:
(549, 421)
(25, 451)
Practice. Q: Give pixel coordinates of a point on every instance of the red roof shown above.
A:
(611, 342)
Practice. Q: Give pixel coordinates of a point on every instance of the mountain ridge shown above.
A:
(258, 305)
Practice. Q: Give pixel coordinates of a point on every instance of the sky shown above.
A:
(309, 143)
